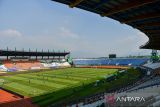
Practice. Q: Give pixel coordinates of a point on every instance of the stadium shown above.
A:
(33, 78)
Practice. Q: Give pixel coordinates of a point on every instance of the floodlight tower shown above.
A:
(154, 56)
(69, 59)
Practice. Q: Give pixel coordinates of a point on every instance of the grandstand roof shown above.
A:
(140, 14)
(31, 53)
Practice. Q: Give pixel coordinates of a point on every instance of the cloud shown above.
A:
(124, 45)
(10, 33)
(65, 39)
(142, 37)
(65, 32)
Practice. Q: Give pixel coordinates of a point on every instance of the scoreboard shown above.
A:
(112, 55)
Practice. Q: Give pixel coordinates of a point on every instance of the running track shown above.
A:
(10, 100)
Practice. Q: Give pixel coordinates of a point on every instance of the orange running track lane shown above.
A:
(7, 97)
(10, 100)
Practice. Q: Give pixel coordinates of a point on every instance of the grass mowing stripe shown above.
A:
(53, 80)
(20, 91)
(91, 75)
(95, 71)
(60, 71)
(39, 82)
(65, 77)
(60, 76)
(77, 76)
(31, 84)
(29, 90)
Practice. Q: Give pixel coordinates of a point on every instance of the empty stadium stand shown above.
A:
(22, 65)
(114, 61)
(148, 84)
(152, 65)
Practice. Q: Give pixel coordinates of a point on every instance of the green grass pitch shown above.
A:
(53, 86)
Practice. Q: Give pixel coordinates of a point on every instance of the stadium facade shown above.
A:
(15, 60)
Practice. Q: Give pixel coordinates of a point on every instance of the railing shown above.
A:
(147, 86)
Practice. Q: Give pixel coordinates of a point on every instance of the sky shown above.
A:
(44, 24)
